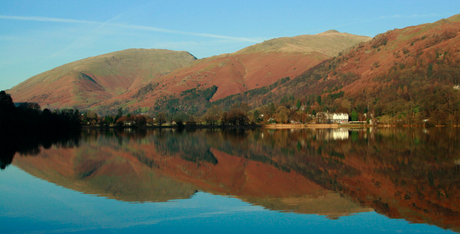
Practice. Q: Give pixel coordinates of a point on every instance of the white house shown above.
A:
(325, 117)
(339, 118)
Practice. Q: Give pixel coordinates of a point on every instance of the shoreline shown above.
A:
(250, 126)
(267, 126)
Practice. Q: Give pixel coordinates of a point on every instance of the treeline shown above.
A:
(31, 143)
(25, 128)
(25, 117)
(191, 102)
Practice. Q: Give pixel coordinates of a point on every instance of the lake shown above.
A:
(232, 181)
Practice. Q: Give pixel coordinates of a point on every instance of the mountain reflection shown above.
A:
(402, 173)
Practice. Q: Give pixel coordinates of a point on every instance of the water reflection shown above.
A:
(32, 143)
(412, 174)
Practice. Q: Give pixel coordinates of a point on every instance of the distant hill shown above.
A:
(89, 81)
(329, 43)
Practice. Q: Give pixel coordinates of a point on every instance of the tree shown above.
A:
(224, 119)
(212, 115)
(281, 114)
(354, 116)
(6, 102)
(318, 99)
(256, 116)
(298, 104)
(160, 118)
(179, 121)
(272, 108)
(109, 119)
(341, 110)
(140, 120)
(120, 113)
(191, 121)
(237, 115)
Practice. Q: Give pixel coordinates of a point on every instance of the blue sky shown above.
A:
(36, 36)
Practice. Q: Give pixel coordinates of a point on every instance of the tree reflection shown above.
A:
(403, 173)
(31, 144)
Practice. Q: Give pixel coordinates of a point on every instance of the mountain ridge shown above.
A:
(246, 70)
(112, 80)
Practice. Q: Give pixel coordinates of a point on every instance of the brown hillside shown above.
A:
(89, 81)
(413, 46)
(400, 52)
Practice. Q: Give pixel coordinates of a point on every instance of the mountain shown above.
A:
(139, 78)
(250, 68)
(89, 81)
(407, 75)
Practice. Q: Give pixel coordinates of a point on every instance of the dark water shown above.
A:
(233, 181)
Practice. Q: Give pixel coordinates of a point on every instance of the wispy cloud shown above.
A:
(45, 19)
(185, 33)
(407, 16)
(422, 16)
(148, 221)
(390, 17)
(129, 26)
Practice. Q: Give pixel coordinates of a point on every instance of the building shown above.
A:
(339, 118)
(326, 117)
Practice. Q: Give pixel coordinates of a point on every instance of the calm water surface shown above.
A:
(233, 181)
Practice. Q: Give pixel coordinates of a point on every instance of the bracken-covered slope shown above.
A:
(87, 82)
(423, 49)
(415, 68)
